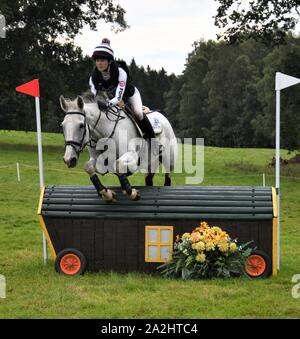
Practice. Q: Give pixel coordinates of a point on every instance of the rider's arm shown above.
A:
(120, 89)
(92, 87)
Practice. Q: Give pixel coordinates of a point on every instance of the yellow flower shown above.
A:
(216, 239)
(186, 236)
(194, 246)
(210, 246)
(200, 246)
(233, 247)
(224, 235)
(204, 224)
(216, 229)
(201, 257)
(207, 234)
(223, 246)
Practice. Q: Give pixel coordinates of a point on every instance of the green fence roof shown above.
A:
(184, 202)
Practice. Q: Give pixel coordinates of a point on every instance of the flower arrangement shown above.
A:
(205, 253)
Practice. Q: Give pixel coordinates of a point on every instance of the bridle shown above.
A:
(78, 146)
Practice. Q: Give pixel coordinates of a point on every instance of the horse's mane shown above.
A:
(89, 98)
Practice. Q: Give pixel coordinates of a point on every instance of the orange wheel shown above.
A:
(258, 264)
(70, 262)
(255, 265)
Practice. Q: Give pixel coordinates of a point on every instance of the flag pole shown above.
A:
(41, 168)
(282, 81)
(39, 140)
(32, 88)
(277, 173)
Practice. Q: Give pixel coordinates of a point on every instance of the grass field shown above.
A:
(37, 291)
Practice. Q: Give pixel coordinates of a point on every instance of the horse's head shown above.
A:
(75, 129)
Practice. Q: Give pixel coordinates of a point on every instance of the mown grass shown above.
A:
(36, 291)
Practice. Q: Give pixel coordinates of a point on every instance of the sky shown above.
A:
(161, 32)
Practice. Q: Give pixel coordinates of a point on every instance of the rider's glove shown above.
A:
(113, 102)
(103, 105)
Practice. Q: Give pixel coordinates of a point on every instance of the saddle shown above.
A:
(155, 122)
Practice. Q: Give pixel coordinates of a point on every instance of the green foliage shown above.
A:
(152, 84)
(226, 94)
(39, 44)
(281, 59)
(268, 21)
(208, 252)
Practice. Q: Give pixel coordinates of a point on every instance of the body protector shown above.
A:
(117, 86)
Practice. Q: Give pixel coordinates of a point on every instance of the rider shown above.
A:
(110, 77)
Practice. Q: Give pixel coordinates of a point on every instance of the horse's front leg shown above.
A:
(127, 163)
(132, 193)
(104, 192)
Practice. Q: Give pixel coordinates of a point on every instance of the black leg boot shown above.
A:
(148, 132)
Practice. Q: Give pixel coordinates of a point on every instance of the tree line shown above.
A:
(226, 94)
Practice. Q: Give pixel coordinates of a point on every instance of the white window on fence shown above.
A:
(158, 243)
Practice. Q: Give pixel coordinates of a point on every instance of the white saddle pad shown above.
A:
(155, 124)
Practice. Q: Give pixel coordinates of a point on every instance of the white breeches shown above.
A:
(136, 105)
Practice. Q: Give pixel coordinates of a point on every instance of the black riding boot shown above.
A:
(148, 134)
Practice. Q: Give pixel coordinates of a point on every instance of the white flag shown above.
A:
(284, 81)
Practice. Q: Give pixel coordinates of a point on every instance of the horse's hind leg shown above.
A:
(132, 193)
(149, 179)
(168, 163)
(167, 179)
(152, 168)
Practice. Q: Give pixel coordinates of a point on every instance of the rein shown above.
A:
(118, 116)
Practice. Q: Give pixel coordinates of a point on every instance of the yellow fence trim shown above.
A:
(39, 211)
(43, 225)
(274, 200)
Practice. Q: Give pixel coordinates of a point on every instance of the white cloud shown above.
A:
(161, 32)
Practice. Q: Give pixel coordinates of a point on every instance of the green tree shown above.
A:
(39, 44)
(194, 120)
(221, 102)
(281, 59)
(172, 103)
(217, 96)
(267, 20)
(152, 84)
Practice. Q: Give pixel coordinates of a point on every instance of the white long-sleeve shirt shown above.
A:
(120, 89)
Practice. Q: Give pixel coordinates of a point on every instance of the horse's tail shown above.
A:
(168, 139)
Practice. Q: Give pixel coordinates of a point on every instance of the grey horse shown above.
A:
(115, 144)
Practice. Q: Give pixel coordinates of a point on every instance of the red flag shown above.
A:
(30, 88)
